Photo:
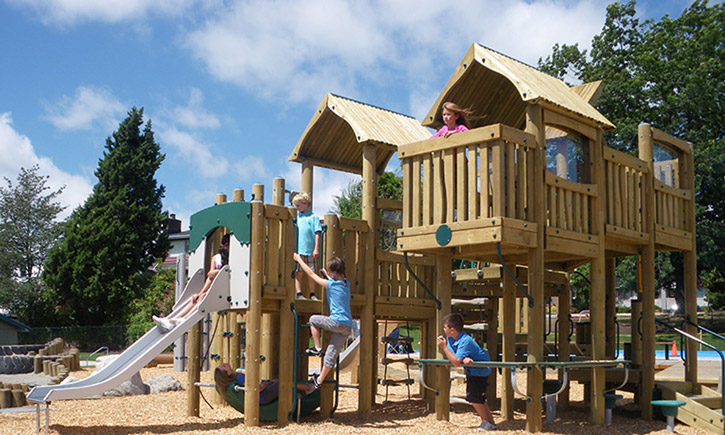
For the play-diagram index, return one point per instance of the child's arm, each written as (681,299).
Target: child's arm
(325,274)
(316,252)
(315,277)
(455,362)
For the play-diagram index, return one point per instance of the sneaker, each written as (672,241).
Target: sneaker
(300,296)
(177,321)
(313,351)
(165,324)
(485,425)
(315,383)
(313,297)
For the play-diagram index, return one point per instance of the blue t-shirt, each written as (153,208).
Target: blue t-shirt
(307,226)
(466,346)
(338,297)
(263,398)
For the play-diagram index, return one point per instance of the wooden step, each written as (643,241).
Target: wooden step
(400,339)
(712,402)
(395,383)
(407,361)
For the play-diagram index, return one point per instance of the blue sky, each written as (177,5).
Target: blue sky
(230,85)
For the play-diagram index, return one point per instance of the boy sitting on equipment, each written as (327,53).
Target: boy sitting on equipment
(461,348)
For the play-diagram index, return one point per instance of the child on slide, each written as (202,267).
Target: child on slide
(218,262)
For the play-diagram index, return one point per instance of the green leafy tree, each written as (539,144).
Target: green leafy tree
(158,299)
(29,226)
(111,240)
(671,74)
(349,204)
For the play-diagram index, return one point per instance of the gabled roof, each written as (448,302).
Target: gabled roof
(14,323)
(497,88)
(340,127)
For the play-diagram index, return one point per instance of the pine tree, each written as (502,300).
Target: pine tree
(97,270)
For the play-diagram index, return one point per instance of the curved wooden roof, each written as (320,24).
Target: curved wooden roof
(337,132)
(497,88)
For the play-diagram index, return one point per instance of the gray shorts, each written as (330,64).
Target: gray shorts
(310,261)
(340,333)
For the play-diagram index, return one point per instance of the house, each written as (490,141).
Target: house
(9,330)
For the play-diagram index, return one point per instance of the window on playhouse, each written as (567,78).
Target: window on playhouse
(566,154)
(666,164)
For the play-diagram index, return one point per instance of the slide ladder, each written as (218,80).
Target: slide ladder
(702,408)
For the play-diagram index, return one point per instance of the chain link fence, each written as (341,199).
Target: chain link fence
(85,338)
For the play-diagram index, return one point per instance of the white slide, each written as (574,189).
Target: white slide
(145,348)
(350,353)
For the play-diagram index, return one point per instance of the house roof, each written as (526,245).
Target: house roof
(14,323)
(497,88)
(340,127)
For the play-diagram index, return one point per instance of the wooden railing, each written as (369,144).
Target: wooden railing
(624,178)
(280,235)
(474,175)
(569,204)
(671,205)
(395,279)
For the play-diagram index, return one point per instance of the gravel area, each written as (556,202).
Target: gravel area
(165,413)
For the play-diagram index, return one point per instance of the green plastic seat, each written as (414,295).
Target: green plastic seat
(610,400)
(668,407)
(268,412)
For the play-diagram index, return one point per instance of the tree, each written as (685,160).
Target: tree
(97,269)
(670,73)
(349,204)
(28,228)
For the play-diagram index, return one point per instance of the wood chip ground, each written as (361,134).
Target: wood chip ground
(166,414)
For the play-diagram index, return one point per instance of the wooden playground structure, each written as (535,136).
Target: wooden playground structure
(531,192)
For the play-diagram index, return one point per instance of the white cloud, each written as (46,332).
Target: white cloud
(193,115)
(194,152)
(296,51)
(18,152)
(69,12)
(251,169)
(90,108)
(327,184)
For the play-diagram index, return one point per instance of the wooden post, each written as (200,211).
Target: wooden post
(217,343)
(270,321)
(368,360)
(308,175)
(193,368)
(687,181)
(287,323)
(598,291)
(535,324)
(331,249)
(646,153)
(509,320)
(611,307)
(235,318)
(254,313)
(492,345)
(564,345)
(443,373)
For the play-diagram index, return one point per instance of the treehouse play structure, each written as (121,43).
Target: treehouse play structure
(523,198)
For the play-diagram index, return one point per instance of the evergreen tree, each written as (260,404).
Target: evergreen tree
(671,74)
(28,228)
(97,270)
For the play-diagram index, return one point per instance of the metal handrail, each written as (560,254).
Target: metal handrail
(722,357)
(99,350)
(513,276)
(410,270)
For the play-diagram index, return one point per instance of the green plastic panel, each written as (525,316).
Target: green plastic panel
(237,216)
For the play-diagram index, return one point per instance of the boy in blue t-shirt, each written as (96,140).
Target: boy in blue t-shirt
(461,348)
(309,231)
(340,320)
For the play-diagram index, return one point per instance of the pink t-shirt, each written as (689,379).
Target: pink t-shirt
(442,132)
